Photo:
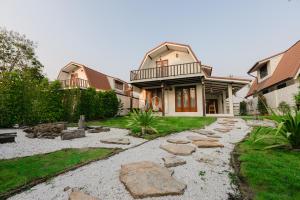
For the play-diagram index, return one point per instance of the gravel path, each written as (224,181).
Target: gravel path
(101,178)
(26,146)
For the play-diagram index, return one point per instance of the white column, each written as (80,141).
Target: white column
(224,102)
(230,99)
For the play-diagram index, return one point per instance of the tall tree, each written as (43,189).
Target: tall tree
(17,53)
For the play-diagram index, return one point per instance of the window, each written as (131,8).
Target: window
(265,91)
(283,85)
(186,99)
(263,71)
(118,85)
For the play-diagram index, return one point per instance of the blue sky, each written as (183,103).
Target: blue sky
(112,36)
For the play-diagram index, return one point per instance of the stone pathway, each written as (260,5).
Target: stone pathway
(205,173)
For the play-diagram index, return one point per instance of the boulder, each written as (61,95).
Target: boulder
(148,179)
(72,134)
(173,161)
(207,144)
(177,141)
(49,130)
(178,149)
(200,138)
(78,195)
(124,141)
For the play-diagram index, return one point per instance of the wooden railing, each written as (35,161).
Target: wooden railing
(74,83)
(166,71)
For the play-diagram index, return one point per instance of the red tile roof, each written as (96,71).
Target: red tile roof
(96,79)
(287,68)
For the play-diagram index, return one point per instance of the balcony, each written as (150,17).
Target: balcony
(179,70)
(74,83)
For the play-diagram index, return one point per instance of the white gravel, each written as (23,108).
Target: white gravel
(101,178)
(26,146)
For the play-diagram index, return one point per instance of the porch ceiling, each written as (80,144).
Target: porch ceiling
(216,87)
(177,81)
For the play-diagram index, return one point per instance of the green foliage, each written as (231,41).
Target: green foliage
(297,100)
(287,132)
(262,105)
(15,173)
(243,108)
(143,119)
(283,107)
(108,104)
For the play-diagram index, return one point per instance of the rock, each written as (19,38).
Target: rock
(177,141)
(206,159)
(81,122)
(173,161)
(98,129)
(49,130)
(124,141)
(207,144)
(200,138)
(214,136)
(178,149)
(67,188)
(78,195)
(223,130)
(93,131)
(148,179)
(72,134)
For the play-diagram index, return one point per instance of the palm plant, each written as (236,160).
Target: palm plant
(286,133)
(143,119)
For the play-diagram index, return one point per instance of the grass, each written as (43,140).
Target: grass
(19,172)
(252,117)
(164,125)
(272,174)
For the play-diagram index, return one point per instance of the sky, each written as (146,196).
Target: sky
(112,36)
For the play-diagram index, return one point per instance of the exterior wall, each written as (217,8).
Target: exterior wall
(79,70)
(183,57)
(271,66)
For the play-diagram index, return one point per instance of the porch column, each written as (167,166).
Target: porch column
(230,99)
(224,102)
(163,98)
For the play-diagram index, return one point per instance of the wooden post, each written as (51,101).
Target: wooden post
(163,98)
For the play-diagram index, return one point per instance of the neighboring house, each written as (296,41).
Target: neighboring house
(173,81)
(277,78)
(75,75)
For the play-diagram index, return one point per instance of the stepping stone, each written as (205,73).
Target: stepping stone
(78,195)
(178,149)
(214,136)
(173,161)
(200,138)
(223,130)
(203,132)
(177,141)
(124,141)
(148,179)
(207,144)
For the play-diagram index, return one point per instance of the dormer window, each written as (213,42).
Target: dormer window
(119,85)
(263,71)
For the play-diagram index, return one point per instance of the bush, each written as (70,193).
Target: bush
(284,108)
(262,105)
(144,120)
(243,108)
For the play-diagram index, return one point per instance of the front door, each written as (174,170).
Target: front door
(154,99)
(185,99)
(162,68)
(211,106)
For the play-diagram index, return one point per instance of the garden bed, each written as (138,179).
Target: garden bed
(20,174)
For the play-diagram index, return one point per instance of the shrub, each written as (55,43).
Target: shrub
(144,120)
(283,107)
(108,102)
(243,108)
(262,105)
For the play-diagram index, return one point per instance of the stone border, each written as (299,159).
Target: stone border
(245,191)
(33,183)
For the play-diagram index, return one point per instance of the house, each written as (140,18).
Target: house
(172,81)
(276,78)
(75,75)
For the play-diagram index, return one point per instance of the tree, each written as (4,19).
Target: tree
(17,53)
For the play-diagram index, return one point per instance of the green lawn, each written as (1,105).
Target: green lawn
(164,125)
(18,172)
(252,117)
(272,174)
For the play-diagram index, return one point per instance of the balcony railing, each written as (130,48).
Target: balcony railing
(166,71)
(74,83)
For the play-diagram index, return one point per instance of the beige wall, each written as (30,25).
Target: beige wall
(271,66)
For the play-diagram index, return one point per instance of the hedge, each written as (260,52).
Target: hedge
(28,101)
